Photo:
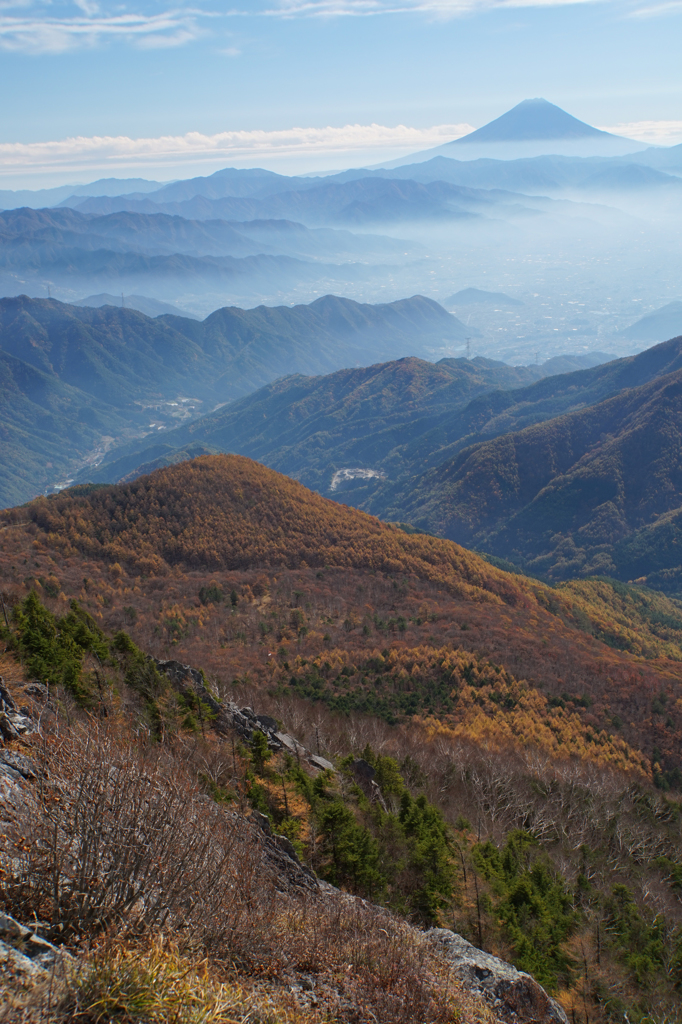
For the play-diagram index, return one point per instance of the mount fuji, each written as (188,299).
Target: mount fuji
(532,128)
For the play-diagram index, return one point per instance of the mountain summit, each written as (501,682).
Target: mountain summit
(532,120)
(534,127)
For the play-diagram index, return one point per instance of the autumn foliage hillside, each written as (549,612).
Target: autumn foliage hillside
(543,722)
(227,512)
(225,564)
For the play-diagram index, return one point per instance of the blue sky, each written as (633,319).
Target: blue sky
(170,87)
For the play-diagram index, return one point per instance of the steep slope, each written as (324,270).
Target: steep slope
(499,412)
(490,752)
(559,495)
(158,371)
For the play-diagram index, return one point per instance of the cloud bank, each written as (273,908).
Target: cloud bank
(656,133)
(106,153)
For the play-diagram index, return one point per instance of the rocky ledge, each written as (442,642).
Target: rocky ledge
(512,994)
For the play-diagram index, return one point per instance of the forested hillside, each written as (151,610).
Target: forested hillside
(79,380)
(568,497)
(152,545)
(524,738)
(392,420)
(455,449)
(308,427)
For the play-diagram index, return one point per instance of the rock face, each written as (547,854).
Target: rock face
(244,721)
(16,766)
(13,721)
(513,995)
(31,969)
(185,679)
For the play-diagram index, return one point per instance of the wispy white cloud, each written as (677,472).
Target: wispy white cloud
(89,7)
(654,10)
(369,8)
(43,33)
(105,153)
(657,133)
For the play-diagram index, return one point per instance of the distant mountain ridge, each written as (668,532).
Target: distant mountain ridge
(13,199)
(475,296)
(662,323)
(118,373)
(142,303)
(347,203)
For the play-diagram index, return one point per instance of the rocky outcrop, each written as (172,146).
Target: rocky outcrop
(186,679)
(30,966)
(32,970)
(14,721)
(228,716)
(16,767)
(513,995)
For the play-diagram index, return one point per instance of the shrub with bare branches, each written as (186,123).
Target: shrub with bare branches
(119,837)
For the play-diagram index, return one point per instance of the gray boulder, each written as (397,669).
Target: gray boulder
(15,767)
(321,762)
(514,995)
(13,723)
(291,744)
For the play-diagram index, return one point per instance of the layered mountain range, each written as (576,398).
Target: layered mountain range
(78,379)
(242,628)
(546,473)
(515,223)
